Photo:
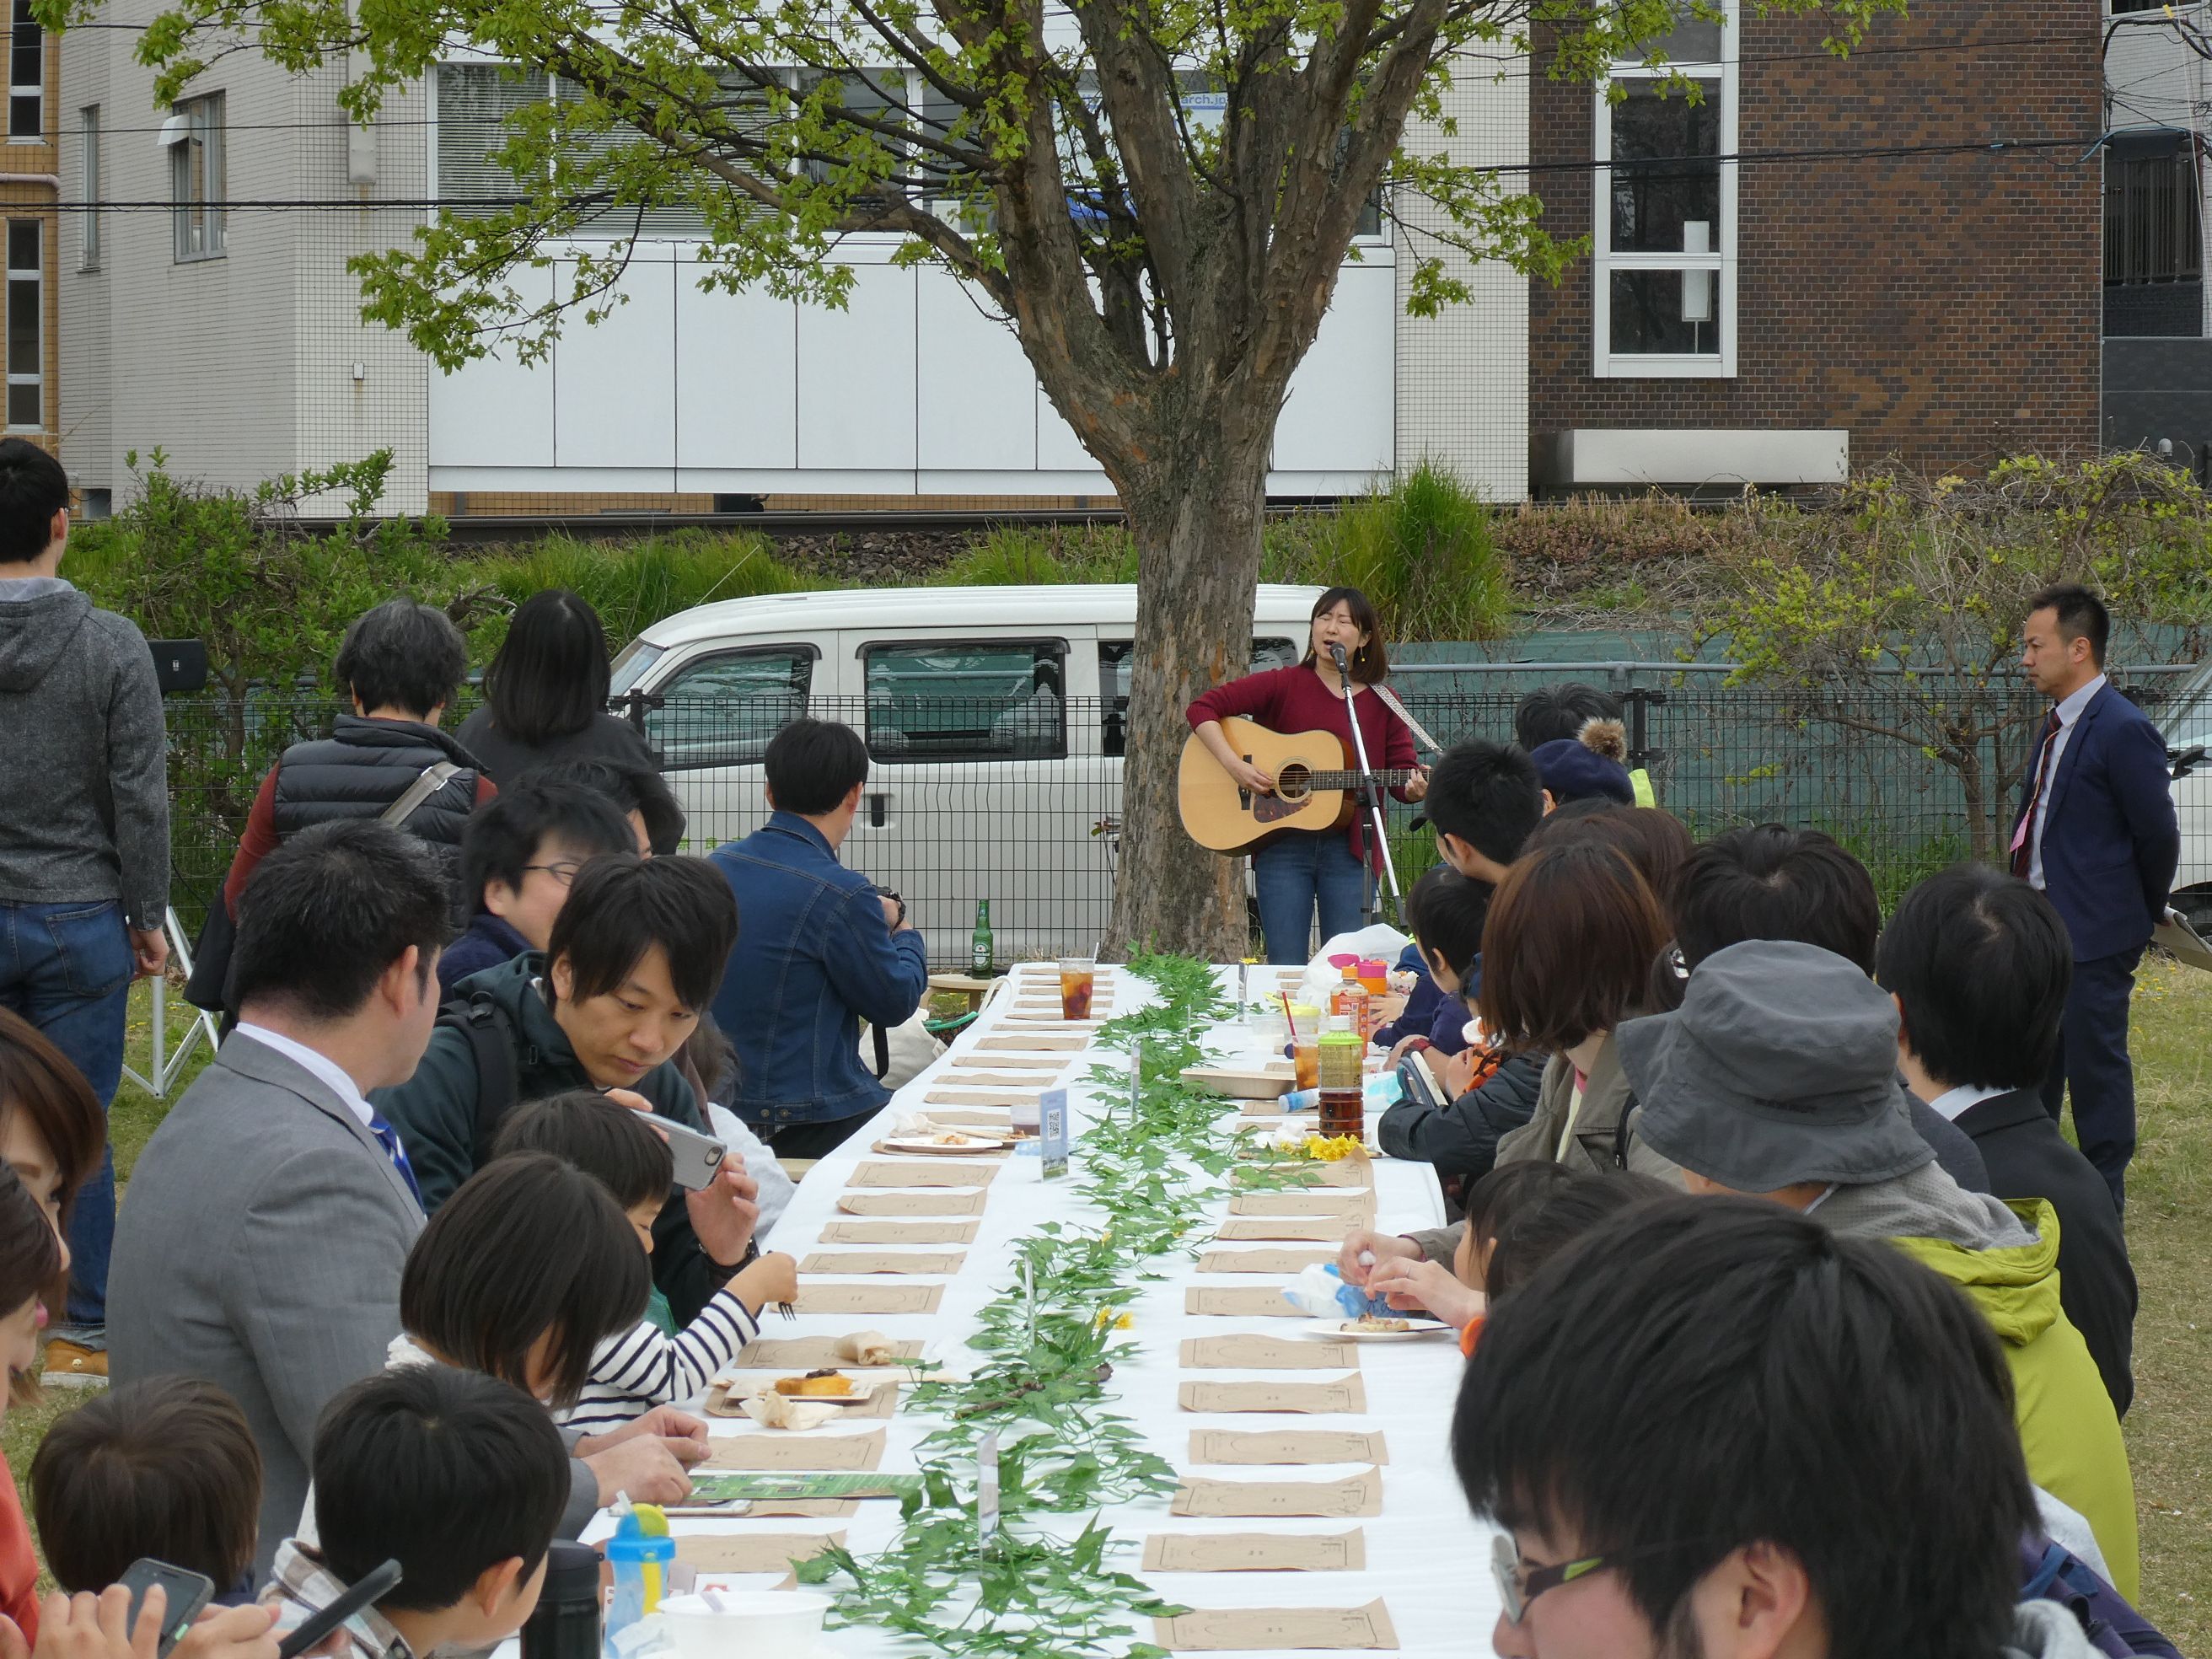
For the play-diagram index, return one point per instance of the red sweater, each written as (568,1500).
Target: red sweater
(1295,700)
(19,1566)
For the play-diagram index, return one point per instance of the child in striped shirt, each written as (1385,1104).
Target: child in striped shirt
(653,1364)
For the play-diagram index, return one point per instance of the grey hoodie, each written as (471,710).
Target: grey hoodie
(84,813)
(2045,1629)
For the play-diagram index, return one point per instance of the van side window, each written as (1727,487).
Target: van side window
(1113,684)
(967,700)
(721,710)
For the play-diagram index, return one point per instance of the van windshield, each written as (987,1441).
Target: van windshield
(629,667)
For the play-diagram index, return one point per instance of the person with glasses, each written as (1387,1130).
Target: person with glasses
(518,855)
(1716,1427)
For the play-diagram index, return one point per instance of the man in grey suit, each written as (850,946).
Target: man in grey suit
(261,1244)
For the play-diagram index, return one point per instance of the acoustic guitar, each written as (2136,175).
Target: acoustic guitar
(1313,789)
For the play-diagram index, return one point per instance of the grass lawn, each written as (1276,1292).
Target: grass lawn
(2169,1431)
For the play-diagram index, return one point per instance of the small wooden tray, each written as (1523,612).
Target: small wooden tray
(1240,1082)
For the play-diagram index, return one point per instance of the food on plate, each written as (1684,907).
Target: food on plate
(1370,1322)
(952,1137)
(820,1384)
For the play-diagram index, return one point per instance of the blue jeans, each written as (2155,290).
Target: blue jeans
(66,969)
(1296,872)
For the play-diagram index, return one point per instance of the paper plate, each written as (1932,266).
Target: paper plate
(1347,1330)
(922,1145)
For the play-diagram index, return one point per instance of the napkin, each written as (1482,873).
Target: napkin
(866,1348)
(1321,1292)
(781,1411)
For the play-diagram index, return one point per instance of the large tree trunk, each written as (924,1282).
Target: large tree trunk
(1197,529)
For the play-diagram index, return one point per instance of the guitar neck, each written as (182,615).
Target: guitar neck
(1353,780)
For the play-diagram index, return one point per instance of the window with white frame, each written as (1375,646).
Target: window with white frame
(194,138)
(88,252)
(26,75)
(1664,236)
(27,328)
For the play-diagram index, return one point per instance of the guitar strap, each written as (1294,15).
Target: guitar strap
(1420,731)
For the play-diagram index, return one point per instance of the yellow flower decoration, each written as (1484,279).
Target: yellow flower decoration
(1329,1150)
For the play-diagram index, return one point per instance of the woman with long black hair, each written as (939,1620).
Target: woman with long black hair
(545,694)
(1299,871)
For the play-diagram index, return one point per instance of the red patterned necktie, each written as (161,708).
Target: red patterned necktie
(2023,845)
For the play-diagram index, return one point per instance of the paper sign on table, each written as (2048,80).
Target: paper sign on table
(1346,1395)
(1248,1350)
(1288,1446)
(899,1233)
(1244,1630)
(1256,1552)
(934,1203)
(753,1551)
(1240,1302)
(979,1098)
(793,1353)
(1337,1500)
(922,1173)
(1302,1203)
(1288,1263)
(787,1451)
(1033,1043)
(1052,1133)
(885,1261)
(1249,1227)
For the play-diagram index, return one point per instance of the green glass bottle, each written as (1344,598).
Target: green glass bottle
(979,951)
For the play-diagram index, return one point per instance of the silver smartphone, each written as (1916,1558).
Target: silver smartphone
(697,1156)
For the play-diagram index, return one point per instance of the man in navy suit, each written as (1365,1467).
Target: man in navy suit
(2097,832)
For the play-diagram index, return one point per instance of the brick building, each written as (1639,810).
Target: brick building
(1776,320)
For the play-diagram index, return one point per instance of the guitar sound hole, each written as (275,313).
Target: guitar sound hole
(1294,781)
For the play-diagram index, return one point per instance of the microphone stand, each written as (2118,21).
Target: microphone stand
(1370,789)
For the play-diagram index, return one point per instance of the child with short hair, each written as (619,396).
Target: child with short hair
(1456,1294)
(653,1362)
(456,1475)
(166,1468)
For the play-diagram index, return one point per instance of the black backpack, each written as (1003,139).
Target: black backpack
(491,1038)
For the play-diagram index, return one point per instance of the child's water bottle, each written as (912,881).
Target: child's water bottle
(640,1554)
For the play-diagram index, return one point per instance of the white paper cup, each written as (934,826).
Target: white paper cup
(749,1623)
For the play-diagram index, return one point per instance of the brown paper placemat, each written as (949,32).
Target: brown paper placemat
(1346,1172)
(885,1261)
(1288,1263)
(981,1097)
(753,1551)
(921,1172)
(1239,1302)
(1325,1203)
(1288,1446)
(1345,1397)
(1248,1350)
(1351,1499)
(1006,1063)
(826,1297)
(814,1453)
(1244,1629)
(1035,1042)
(968,1117)
(1244,1229)
(808,1353)
(1256,1552)
(929,1203)
(994,1153)
(899,1233)
(836,1507)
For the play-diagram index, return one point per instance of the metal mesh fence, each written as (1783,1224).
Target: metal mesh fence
(1016,798)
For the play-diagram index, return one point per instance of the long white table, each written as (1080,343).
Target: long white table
(1426,1558)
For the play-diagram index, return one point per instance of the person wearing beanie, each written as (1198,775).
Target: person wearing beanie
(1594,762)
(1777,1079)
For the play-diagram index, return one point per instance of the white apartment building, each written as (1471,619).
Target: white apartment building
(208,310)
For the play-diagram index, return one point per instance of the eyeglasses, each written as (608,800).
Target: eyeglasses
(563,871)
(1519,1583)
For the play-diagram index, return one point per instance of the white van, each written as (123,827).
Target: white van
(993,718)
(2187,723)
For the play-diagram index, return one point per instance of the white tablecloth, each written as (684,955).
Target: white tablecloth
(1426,1558)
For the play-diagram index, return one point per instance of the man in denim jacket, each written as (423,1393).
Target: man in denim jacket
(819,950)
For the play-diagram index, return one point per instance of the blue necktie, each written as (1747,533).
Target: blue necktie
(388,1138)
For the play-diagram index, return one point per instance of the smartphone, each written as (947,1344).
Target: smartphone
(372,1587)
(188,1592)
(697,1156)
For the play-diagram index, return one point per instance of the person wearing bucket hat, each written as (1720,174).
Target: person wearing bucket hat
(1776,1078)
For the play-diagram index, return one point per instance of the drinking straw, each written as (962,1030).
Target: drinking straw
(1287,1020)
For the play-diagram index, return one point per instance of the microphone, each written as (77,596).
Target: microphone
(1336,654)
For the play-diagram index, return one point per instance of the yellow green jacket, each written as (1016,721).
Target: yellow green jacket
(2066,1424)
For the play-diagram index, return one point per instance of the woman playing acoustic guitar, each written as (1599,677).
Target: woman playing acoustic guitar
(1299,869)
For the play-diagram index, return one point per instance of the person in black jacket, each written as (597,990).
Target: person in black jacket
(545,694)
(1446,911)
(1978,963)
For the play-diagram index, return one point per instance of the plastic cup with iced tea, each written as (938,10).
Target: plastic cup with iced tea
(1077,976)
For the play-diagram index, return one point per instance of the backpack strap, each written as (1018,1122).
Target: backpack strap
(1621,1137)
(883,1051)
(490,1036)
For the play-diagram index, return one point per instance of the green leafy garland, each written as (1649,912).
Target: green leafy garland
(1154,1166)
